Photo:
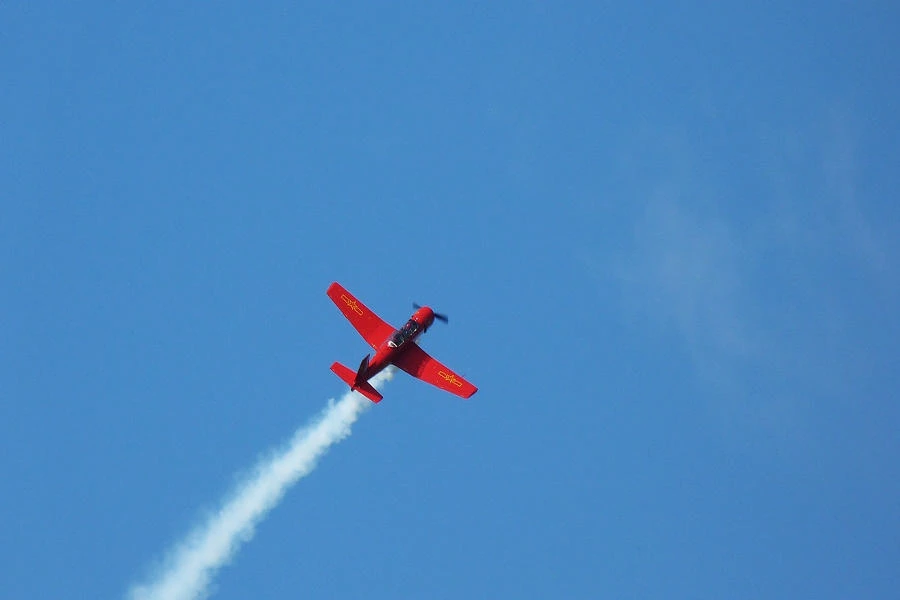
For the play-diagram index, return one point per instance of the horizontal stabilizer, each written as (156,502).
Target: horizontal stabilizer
(349,377)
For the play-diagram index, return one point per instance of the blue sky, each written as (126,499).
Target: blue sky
(666,238)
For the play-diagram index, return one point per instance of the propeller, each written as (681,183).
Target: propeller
(438,316)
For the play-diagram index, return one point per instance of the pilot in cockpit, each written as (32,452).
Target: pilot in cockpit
(404,333)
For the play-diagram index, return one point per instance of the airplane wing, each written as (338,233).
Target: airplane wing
(368,324)
(418,363)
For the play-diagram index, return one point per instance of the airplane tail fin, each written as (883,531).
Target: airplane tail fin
(362,368)
(355,381)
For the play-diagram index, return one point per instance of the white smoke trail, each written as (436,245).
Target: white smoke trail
(192,564)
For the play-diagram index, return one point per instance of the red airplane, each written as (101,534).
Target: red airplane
(393,347)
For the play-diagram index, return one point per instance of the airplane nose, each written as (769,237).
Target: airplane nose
(429,315)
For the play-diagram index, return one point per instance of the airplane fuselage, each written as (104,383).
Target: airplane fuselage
(398,341)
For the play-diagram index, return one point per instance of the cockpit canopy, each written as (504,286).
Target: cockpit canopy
(407,332)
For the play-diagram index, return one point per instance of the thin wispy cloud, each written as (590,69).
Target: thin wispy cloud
(760,267)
